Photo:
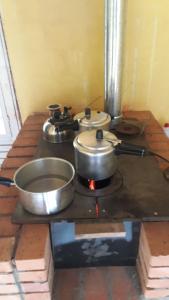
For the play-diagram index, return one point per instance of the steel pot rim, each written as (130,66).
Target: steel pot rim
(42,159)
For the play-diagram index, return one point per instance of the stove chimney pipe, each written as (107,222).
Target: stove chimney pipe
(114,25)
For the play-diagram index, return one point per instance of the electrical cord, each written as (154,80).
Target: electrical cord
(158,155)
(128,148)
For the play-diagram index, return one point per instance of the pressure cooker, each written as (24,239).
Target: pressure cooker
(92,119)
(96,153)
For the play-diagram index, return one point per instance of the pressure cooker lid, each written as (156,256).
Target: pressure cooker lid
(95,118)
(89,141)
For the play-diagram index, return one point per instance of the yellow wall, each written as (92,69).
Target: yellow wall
(146,57)
(56,53)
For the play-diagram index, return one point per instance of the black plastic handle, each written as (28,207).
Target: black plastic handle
(99,134)
(130,149)
(88,113)
(6,181)
(66,110)
(73,125)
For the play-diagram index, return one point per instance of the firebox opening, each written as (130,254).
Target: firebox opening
(92,184)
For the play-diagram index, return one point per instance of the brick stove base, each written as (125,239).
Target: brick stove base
(25,146)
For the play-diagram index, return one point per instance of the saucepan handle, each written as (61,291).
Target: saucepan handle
(130,149)
(6,181)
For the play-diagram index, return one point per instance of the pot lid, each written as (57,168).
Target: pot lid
(94,118)
(91,141)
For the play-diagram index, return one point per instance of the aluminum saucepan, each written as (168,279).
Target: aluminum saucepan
(45,185)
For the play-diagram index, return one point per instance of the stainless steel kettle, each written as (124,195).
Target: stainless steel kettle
(60,126)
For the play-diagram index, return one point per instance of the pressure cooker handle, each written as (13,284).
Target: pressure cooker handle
(130,149)
(6,181)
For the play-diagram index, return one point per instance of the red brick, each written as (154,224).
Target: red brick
(163,165)
(68,278)
(140,115)
(38,276)
(6,249)
(7,278)
(156,240)
(94,278)
(9,173)
(34,287)
(153,272)
(10,297)
(7,229)
(31,277)
(158,283)
(153,128)
(161,162)
(164,154)
(8,289)
(33,249)
(36,118)
(32,127)
(152,293)
(86,231)
(152,122)
(30,134)
(35,276)
(95,283)
(13,163)
(156,137)
(22,152)
(127,289)
(162,146)
(35,296)
(8,191)
(7,205)
(20,142)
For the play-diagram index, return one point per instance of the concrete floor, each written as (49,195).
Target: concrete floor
(101,283)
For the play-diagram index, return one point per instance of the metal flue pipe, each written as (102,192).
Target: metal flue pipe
(114,25)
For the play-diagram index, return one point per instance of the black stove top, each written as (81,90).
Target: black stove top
(137,191)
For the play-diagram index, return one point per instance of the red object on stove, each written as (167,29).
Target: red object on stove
(97,209)
(92,186)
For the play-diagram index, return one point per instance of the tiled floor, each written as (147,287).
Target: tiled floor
(103,283)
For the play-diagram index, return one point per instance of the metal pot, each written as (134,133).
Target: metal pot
(45,185)
(96,153)
(91,119)
(60,126)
